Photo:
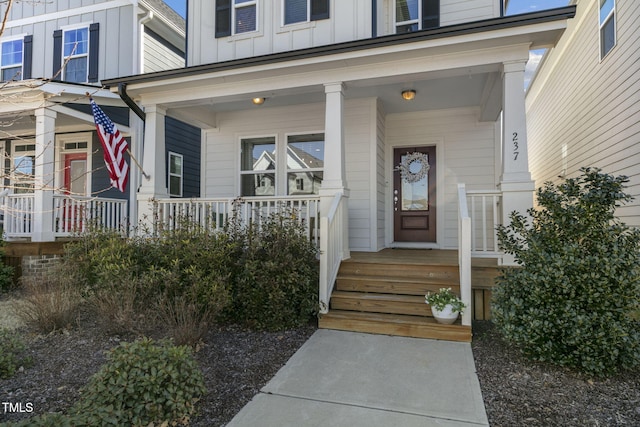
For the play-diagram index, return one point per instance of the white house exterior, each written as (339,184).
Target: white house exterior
(583,107)
(338,69)
(53,54)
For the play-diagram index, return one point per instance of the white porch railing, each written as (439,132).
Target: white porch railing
(71,215)
(486,215)
(333,228)
(212,214)
(18,215)
(464,253)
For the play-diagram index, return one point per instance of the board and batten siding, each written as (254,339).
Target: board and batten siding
(349,20)
(158,54)
(467,155)
(585,112)
(115,38)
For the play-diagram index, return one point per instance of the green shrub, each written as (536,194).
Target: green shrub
(142,382)
(575,299)
(6,272)
(276,281)
(45,420)
(12,356)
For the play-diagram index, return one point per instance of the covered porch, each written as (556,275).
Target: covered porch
(341,106)
(54,183)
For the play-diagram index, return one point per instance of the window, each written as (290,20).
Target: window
(11,60)
(414,15)
(23,168)
(235,16)
(607,26)
(258,167)
(305,162)
(76,55)
(176,174)
(305,10)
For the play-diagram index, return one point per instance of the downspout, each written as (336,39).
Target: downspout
(186,37)
(122,91)
(141,22)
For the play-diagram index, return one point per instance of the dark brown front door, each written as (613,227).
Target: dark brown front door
(414,194)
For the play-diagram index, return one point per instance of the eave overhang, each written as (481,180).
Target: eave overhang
(367,47)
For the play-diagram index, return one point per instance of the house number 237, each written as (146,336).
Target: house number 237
(515,146)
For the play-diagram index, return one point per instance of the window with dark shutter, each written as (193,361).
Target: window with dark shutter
(94,43)
(430,14)
(319,9)
(223,18)
(27,57)
(57,55)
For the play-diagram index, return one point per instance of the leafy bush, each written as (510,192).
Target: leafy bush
(143,382)
(276,282)
(11,353)
(48,304)
(6,272)
(575,299)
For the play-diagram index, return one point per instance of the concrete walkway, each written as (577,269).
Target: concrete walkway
(361,380)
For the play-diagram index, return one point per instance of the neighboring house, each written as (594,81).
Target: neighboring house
(431,86)
(583,106)
(53,54)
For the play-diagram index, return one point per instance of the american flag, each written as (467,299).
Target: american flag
(114,147)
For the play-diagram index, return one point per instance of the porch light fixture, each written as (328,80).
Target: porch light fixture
(258,101)
(408,94)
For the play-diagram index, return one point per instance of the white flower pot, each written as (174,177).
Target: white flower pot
(446,316)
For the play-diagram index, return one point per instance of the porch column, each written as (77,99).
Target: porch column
(153,163)
(44,170)
(334,178)
(515,183)
(334,171)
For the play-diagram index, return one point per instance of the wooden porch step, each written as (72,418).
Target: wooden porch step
(443,274)
(380,303)
(393,285)
(393,324)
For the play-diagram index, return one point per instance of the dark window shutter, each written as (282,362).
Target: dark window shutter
(57,55)
(223,18)
(430,14)
(27,56)
(319,9)
(94,44)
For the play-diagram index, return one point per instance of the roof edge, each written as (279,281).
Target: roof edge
(510,21)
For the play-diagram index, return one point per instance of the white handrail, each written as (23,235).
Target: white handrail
(485,214)
(332,235)
(77,214)
(464,253)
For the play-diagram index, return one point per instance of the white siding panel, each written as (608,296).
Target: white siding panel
(582,111)
(158,57)
(459,11)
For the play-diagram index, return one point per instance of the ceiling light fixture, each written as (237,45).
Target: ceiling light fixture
(258,101)
(408,94)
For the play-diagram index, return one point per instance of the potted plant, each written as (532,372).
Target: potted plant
(445,305)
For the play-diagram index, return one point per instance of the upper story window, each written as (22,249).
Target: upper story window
(304,10)
(414,15)
(75,54)
(236,17)
(607,26)
(11,60)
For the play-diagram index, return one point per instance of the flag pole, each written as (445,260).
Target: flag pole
(147,177)
(144,174)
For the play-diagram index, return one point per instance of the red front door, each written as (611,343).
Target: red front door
(75,184)
(414,194)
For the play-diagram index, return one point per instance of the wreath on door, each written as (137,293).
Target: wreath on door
(414,167)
